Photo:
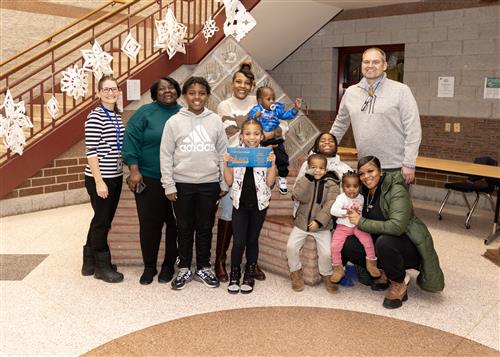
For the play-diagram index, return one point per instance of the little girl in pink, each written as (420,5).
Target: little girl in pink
(350,200)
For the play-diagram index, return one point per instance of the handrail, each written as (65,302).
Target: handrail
(67,39)
(58,32)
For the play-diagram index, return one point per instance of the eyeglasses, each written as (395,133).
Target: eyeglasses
(108,90)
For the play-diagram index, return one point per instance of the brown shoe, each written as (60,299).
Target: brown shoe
(224,234)
(330,287)
(380,284)
(371,266)
(297,280)
(259,274)
(338,274)
(396,295)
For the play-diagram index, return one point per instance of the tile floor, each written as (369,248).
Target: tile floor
(56,311)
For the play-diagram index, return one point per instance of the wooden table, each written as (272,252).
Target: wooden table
(464,168)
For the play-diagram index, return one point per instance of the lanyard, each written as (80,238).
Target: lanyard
(117,127)
(374,88)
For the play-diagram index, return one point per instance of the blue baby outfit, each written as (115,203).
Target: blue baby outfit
(270,119)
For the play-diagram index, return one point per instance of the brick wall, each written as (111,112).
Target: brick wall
(59,175)
(478,136)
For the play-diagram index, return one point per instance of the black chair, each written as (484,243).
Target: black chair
(477,184)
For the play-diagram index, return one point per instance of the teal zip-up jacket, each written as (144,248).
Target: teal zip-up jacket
(141,144)
(397,209)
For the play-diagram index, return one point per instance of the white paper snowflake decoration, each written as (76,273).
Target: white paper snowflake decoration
(53,107)
(12,124)
(238,22)
(170,34)
(97,61)
(74,82)
(209,29)
(131,47)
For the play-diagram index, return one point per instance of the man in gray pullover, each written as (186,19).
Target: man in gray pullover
(384,117)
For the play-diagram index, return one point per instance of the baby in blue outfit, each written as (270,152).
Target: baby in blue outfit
(269,113)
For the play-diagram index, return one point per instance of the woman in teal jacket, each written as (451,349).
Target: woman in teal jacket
(141,152)
(402,241)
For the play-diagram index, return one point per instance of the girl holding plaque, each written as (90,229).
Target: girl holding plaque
(251,193)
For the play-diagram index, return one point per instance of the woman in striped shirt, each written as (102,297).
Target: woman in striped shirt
(103,179)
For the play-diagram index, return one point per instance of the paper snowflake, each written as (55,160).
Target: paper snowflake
(209,29)
(238,22)
(170,34)
(53,107)
(97,61)
(74,82)
(131,47)
(12,124)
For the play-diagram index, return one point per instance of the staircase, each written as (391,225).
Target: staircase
(34,75)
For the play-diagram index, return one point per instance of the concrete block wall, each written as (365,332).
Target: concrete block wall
(463,43)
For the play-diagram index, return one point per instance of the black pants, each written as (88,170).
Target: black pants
(104,211)
(395,254)
(195,211)
(247,224)
(154,211)
(282,161)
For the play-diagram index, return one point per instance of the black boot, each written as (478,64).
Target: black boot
(234,280)
(166,274)
(104,270)
(248,279)
(88,265)
(148,275)
(224,234)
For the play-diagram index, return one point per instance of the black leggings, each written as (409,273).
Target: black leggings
(247,224)
(104,211)
(395,254)
(154,211)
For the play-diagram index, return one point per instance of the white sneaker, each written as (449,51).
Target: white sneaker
(282,185)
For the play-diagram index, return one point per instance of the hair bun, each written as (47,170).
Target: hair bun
(246,65)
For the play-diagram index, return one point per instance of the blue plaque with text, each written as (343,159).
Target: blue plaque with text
(249,157)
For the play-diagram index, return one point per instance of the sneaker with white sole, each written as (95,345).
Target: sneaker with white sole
(207,277)
(282,186)
(184,276)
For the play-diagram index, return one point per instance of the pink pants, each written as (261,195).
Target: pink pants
(340,235)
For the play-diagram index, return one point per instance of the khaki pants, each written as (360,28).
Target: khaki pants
(296,241)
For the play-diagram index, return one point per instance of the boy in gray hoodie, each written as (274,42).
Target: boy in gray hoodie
(191,163)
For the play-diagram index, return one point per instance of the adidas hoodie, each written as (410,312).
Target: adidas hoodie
(192,150)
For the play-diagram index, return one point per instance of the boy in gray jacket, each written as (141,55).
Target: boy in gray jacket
(191,163)
(315,192)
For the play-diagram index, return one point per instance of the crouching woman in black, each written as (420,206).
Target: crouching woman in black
(401,240)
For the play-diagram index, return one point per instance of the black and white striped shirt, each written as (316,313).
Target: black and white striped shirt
(100,141)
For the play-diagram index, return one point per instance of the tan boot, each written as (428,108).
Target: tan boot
(396,295)
(297,280)
(371,266)
(330,287)
(338,274)
(380,284)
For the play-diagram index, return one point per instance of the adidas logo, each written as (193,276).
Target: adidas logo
(197,141)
